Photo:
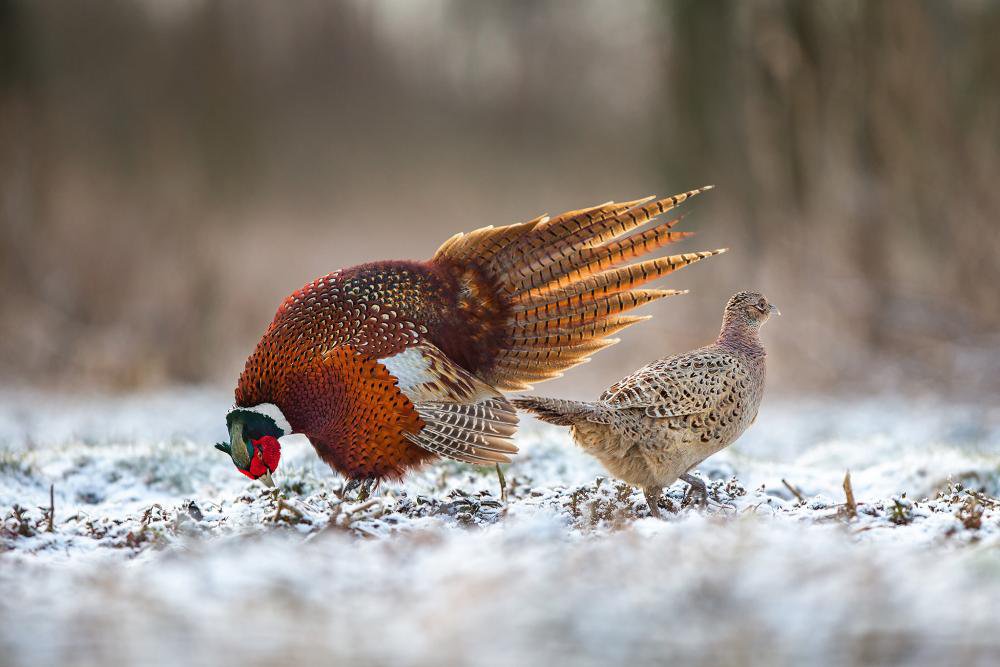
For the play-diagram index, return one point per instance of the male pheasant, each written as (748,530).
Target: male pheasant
(388,365)
(655,425)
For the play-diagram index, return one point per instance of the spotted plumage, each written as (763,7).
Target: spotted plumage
(655,425)
(387,365)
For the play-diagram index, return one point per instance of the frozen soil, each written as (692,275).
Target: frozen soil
(159,552)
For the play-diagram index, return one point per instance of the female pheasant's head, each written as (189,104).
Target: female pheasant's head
(748,310)
(253,440)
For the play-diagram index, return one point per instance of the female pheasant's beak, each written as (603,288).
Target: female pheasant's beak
(774,310)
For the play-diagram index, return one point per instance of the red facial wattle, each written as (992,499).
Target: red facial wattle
(270,451)
(266,454)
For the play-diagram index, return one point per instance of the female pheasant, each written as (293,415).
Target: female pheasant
(388,365)
(652,427)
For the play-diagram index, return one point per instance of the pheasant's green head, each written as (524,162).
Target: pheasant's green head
(253,440)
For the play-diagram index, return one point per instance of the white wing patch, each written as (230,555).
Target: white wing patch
(410,367)
(464,418)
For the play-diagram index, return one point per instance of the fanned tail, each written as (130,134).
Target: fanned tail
(543,295)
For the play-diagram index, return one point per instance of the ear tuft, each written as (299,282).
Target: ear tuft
(224,447)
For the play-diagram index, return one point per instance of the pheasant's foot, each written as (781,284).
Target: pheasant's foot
(653,500)
(696,487)
(363,486)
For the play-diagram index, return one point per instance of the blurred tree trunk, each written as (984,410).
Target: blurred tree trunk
(846,135)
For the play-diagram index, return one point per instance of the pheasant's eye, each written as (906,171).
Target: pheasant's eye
(762,306)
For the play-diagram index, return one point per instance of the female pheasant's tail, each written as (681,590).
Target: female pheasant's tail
(542,296)
(556,410)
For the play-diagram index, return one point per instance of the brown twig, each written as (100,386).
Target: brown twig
(983,498)
(795,492)
(852,506)
(282,505)
(363,506)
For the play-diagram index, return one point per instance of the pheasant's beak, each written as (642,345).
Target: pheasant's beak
(266,478)
(774,310)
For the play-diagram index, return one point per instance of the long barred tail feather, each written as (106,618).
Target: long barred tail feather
(559,286)
(556,410)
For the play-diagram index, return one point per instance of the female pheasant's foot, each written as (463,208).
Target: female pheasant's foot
(653,500)
(696,487)
(364,487)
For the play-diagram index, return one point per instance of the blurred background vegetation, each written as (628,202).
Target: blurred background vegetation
(170,170)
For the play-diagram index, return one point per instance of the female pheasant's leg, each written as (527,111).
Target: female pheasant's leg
(695,487)
(652,494)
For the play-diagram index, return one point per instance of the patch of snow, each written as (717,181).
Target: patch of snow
(161,553)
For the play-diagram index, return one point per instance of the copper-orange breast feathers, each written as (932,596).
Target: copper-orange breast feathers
(385,365)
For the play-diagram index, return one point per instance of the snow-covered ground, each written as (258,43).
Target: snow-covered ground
(160,553)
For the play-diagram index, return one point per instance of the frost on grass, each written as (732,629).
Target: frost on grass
(158,552)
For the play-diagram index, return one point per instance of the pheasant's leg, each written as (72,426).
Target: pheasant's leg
(652,494)
(695,487)
(503,484)
(364,487)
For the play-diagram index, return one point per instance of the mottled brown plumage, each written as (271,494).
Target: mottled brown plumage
(655,425)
